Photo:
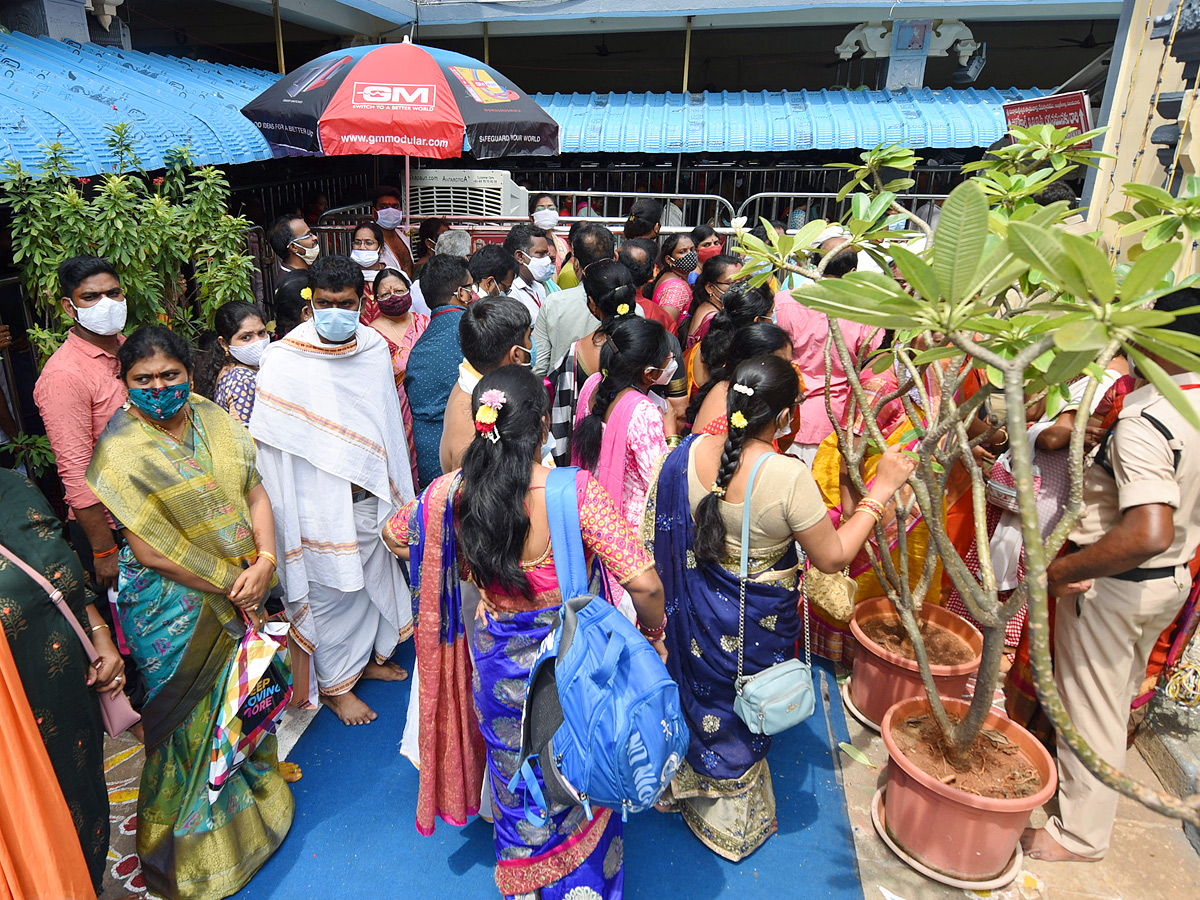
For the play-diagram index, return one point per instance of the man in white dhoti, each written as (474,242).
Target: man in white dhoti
(334,461)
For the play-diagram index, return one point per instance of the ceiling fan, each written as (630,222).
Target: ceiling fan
(1088,42)
(602,49)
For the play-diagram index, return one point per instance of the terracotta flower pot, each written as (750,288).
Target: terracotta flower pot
(961,835)
(881,678)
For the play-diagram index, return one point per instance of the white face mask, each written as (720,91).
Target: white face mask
(308,254)
(389,217)
(249,354)
(545,218)
(668,372)
(364,259)
(106,316)
(782,431)
(541,268)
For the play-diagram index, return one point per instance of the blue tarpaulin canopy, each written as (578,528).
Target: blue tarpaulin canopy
(67,92)
(778,121)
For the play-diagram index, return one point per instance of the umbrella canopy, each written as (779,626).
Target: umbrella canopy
(401,100)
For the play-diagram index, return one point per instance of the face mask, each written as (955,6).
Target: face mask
(394,304)
(364,259)
(686,263)
(545,218)
(160,403)
(782,431)
(249,354)
(528,350)
(106,316)
(541,268)
(668,372)
(704,254)
(389,218)
(335,325)
(308,254)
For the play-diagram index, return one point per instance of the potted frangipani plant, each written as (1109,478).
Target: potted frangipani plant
(1000,297)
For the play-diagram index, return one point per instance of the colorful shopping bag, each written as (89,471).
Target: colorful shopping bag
(257,691)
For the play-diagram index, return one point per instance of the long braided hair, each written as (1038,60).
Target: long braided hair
(491,522)
(775,386)
(634,344)
(749,341)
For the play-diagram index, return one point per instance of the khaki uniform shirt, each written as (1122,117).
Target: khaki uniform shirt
(1144,472)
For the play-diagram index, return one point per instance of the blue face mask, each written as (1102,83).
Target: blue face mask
(160,403)
(532,352)
(336,325)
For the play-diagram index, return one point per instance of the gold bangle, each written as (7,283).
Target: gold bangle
(674,440)
(96,628)
(264,554)
(872,507)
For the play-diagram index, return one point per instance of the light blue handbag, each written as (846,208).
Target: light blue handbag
(781,696)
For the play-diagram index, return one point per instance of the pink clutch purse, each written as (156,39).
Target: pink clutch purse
(115,708)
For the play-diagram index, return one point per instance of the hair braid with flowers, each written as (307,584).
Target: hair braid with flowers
(491,521)
(760,389)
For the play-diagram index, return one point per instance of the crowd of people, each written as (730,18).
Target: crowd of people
(380,461)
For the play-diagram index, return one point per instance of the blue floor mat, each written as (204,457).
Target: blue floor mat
(354,836)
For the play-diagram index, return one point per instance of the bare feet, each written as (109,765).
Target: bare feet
(386,672)
(290,772)
(349,709)
(1037,844)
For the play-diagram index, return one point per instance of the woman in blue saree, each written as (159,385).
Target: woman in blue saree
(177,473)
(693,519)
(489,523)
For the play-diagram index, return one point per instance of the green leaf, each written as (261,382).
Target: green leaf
(1170,352)
(959,240)
(1165,385)
(1093,264)
(855,754)
(1087,335)
(1149,270)
(1042,248)
(1067,365)
(918,273)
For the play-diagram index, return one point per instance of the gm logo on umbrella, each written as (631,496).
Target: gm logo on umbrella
(422,97)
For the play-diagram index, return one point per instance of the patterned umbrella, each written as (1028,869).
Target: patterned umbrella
(401,99)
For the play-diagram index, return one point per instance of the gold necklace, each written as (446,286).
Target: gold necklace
(187,420)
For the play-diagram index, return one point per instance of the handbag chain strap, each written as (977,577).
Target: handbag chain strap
(744,568)
(803,570)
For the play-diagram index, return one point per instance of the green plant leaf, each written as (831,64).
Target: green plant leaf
(1093,265)
(1087,335)
(1068,364)
(918,273)
(1150,268)
(1043,248)
(959,239)
(857,755)
(1168,388)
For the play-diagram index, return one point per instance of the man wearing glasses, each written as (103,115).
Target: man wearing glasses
(78,392)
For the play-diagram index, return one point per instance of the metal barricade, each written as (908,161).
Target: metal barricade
(794,209)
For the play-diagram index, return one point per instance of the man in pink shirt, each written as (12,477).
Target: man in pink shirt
(807,330)
(78,392)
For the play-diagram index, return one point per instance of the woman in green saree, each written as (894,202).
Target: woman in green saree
(178,475)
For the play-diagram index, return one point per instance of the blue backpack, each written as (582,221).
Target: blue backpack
(602,715)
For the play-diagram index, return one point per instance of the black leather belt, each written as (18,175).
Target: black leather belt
(1146,574)
(360,494)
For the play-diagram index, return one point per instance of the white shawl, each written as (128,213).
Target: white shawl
(325,417)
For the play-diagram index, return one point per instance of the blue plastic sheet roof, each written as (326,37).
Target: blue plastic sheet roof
(67,92)
(778,121)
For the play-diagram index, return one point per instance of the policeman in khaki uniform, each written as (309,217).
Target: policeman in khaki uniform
(1124,584)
